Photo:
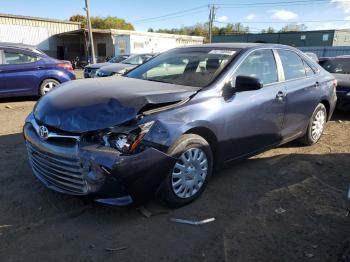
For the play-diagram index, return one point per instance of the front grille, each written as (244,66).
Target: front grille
(63,173)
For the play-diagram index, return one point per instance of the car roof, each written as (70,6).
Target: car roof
(335,57)
(21,47)
(343,56)
(239,45)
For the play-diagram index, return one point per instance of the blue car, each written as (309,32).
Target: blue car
(163,127)
(26,71)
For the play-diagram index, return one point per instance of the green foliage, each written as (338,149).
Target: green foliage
(79,18)
(108,22)
(201,29)
(268,30)
(294,28)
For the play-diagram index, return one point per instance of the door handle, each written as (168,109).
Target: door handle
(280,95)
(39,67)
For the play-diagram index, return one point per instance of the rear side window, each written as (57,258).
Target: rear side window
(260,64)
(13,58)
(293,66)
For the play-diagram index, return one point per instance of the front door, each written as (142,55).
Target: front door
(254,119)
(20,69)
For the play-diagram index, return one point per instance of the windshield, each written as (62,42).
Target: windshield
(337,65)
(118,58)
(196,67)
(137,59)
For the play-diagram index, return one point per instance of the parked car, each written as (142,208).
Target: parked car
(340,68)
(124,66)
(26,71)
(161,130)
(313,56)
(90,70)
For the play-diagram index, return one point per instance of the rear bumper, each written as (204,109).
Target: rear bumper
(94,171)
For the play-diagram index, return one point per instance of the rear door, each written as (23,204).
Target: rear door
(254,119)
(302,92)
(2,77)
(21,71)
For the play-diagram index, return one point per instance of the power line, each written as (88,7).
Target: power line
(281,22)
(171,14)
(200,9)
(167,18)
(296,2)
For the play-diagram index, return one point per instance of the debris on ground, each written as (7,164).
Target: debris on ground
(320,163)
(145,212)
(148,213)
(5,226)
(8,107)
(192,222)
(280,210)
(339,121)
(115,249)
(308,255)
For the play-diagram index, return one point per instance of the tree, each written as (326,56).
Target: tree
(270,30)
(79,18)
(293,28)
(103,22)
(150,30)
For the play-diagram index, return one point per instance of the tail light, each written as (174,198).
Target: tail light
(335,83)
(65,66)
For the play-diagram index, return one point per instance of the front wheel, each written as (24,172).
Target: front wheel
(190,174)
(316,126)
(47,85)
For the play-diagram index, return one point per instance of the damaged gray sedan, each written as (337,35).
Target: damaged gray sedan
(162,128)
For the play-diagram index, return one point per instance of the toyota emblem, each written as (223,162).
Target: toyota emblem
(43,132)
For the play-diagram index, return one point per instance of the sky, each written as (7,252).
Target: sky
(144,14)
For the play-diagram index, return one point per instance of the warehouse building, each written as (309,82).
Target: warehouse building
(109,42)
(67,40)
(321,38)
(34,31)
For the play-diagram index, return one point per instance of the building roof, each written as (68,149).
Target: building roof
(290,32)
(130,32)
(39,19)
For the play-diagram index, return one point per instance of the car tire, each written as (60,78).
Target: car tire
(316,126)
(47,85)
(195,159)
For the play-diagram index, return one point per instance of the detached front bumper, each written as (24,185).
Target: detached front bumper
(94,171)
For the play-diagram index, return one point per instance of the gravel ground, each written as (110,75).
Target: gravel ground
(286,204)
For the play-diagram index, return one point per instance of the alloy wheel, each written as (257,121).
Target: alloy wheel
(318,124)
(189,173)
(49,86)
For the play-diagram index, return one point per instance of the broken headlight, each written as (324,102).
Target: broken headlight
(126,139)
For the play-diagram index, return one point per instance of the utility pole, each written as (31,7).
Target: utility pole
(91,41)
(211,20)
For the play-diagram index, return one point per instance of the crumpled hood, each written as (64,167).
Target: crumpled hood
(92,104)
(115,68)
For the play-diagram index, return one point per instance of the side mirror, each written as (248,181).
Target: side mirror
(247,83)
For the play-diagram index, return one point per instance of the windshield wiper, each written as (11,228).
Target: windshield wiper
(154,80)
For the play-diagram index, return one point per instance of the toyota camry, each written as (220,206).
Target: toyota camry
(163,128)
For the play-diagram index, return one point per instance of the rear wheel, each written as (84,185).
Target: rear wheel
(190,174)
(47,85)
(316,126)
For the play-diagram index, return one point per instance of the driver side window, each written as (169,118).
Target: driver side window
(260,64)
